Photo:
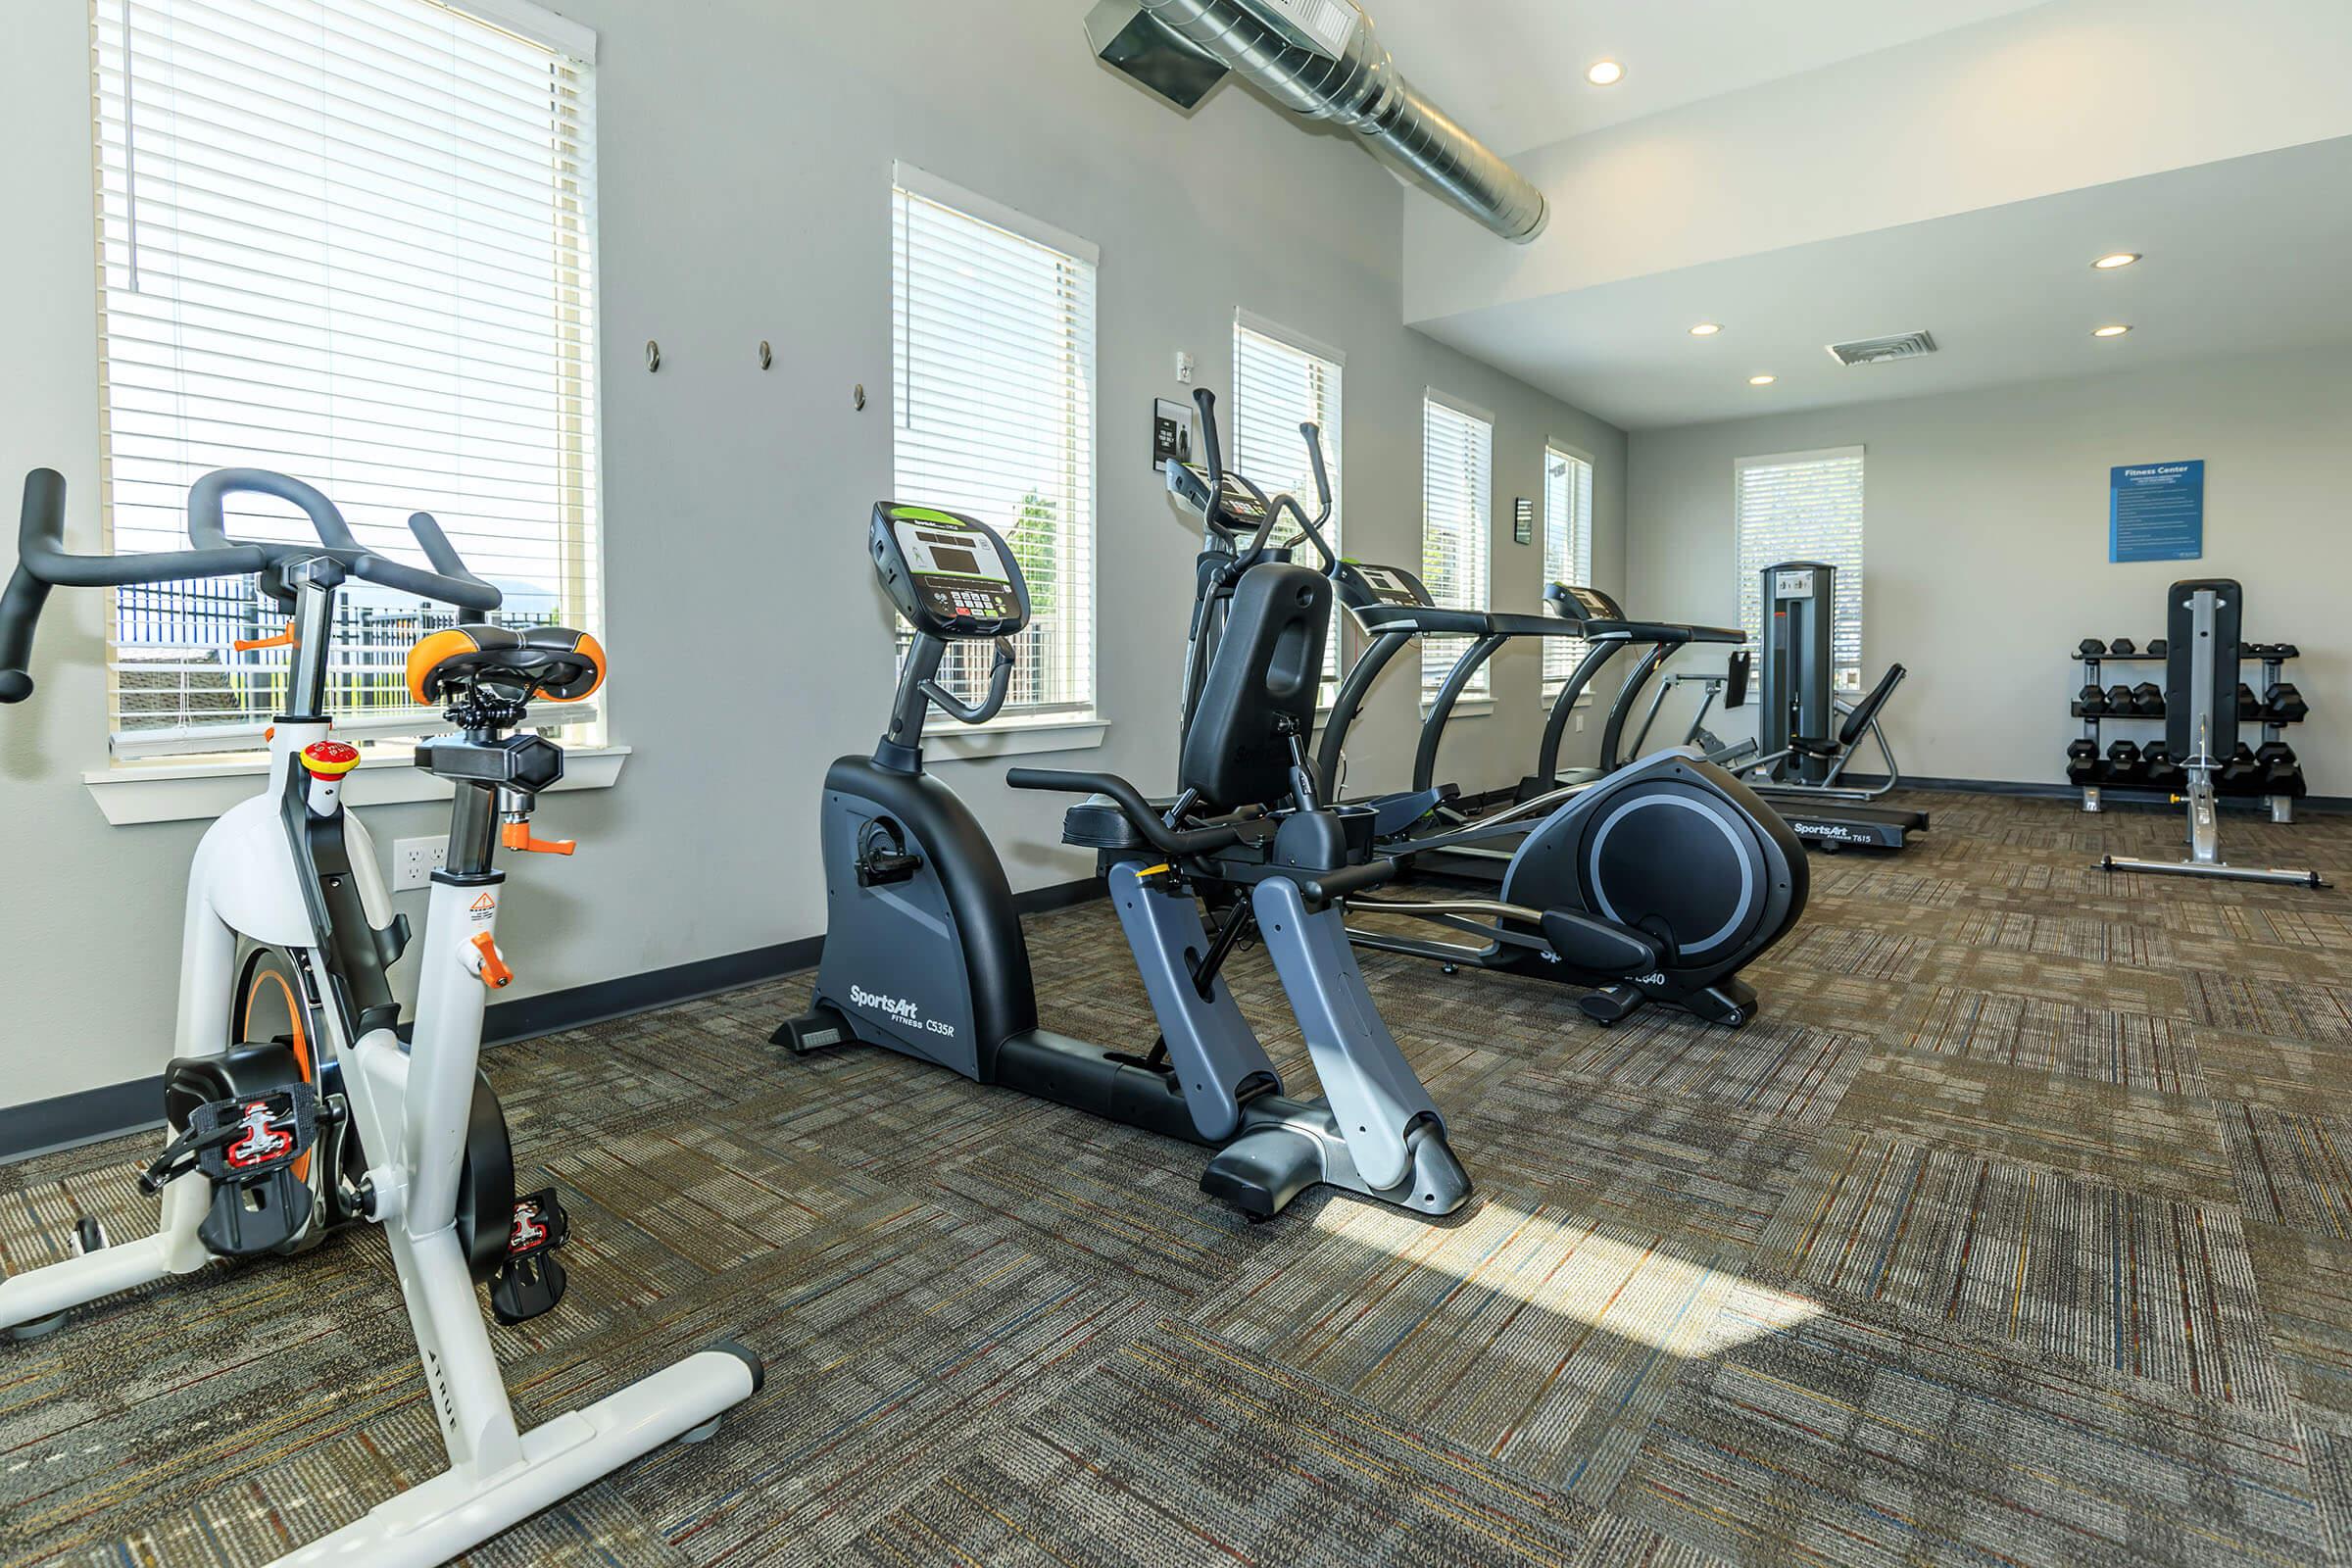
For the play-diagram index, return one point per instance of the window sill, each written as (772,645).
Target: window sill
(1551,697)
(1467,707)
(1015,737)
(200,791)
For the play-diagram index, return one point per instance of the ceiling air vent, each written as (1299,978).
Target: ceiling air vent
(1879,350)
(1324,26)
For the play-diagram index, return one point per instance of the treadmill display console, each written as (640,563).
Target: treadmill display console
(1571,602)
(951,576)
(1362,585)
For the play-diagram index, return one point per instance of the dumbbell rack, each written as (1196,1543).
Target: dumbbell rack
(2274,657)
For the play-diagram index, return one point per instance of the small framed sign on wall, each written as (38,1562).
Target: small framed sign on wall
(1523,520)
(2156,511)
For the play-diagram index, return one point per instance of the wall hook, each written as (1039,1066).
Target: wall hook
(652,355)
(767,355)
(858,397)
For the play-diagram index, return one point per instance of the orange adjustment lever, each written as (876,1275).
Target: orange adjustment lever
(495,973)
(284,639)
(518,836)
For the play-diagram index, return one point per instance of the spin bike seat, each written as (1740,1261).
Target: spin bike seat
(555,661)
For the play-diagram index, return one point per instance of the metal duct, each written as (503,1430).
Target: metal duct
(1356,85)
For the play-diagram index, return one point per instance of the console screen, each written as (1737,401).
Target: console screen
(950,553)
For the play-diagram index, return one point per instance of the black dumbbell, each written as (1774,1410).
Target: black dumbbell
(2091,647)
(2287,704)
(2156,648)
(2123,761)
(2240,770)
(2123,648)
(2248,706)
(2083,762)
(2148,699)
(2286,650)
(2277,761)
(2090,702)
(2156,761)
(2118,699)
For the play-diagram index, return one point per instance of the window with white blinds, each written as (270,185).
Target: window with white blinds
(1457,484)
(1567,550)
(353,241)
(1280,383)
(1805,506)
(993,364)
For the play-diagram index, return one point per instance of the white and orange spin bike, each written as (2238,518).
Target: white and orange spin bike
(291,1104)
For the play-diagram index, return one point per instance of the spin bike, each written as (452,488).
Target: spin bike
(923,949)
(291,1105)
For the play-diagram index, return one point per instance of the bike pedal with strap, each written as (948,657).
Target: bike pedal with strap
(530,1281)
(248,1147)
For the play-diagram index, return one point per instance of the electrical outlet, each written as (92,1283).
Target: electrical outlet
(415,860)
(1184,369)
(1579,724)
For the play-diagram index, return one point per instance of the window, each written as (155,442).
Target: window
(1458,463)
(354,243)
(1805,506)
(1281,381)
(1567,550)
(993,366)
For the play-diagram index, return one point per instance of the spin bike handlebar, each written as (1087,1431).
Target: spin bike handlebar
(43,563)
(1129,800)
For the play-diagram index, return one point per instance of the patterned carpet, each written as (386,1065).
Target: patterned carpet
(2017,1230)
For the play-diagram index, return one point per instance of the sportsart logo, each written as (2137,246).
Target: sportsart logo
(899,1010)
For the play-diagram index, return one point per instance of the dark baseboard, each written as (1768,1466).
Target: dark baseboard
(109,1111)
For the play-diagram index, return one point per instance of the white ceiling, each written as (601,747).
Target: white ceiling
(2242,255)
(1513,71)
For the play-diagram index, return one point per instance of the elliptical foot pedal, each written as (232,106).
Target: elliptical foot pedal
(530,1281)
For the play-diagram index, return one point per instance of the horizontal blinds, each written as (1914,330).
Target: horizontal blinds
(994,361)
(1276,388)
(1807,507)
(353,242)
(1567,549)
(1457,461)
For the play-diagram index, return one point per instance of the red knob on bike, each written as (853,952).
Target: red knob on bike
(329,760)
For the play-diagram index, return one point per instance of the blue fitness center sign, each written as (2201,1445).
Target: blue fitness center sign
(2156,511)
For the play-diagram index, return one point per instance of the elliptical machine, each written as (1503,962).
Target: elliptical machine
(923,949)
(292,1105)
(1658,882)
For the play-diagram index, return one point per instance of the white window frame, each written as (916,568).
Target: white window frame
(1248,321)
(189,775)
(1479,693)
(1566,650)
(1846,677)
(1057,726)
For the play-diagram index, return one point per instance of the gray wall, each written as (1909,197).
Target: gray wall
(1986,549)
(745,164)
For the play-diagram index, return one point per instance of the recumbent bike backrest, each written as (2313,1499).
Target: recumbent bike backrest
(1262,682)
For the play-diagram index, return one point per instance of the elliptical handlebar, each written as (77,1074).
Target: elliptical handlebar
(43,563)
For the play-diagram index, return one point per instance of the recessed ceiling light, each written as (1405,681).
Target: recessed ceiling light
(1762,380)
(2110,331)
(1706,329)
(1606,73)
(2108,264)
